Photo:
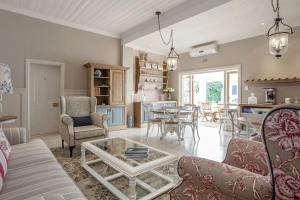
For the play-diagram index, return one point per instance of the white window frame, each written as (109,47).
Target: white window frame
(237,67)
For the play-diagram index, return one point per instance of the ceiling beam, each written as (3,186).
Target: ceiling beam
(179,13)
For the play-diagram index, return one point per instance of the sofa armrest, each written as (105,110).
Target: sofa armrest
(15,135)
(100,119)
(247,154)
(203,178)
(66,120)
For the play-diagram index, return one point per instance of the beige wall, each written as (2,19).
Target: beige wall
(24,37)
(256,62)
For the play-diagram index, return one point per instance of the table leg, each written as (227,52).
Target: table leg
(82,160)
(132,187)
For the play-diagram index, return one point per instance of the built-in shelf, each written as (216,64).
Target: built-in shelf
(158,83)
(102,95)
(101,86)
(153,75)
(270,81)
(142,73)
(102,77)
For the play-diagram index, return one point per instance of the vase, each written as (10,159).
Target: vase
(169,97)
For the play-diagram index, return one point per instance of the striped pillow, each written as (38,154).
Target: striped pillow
(5,150)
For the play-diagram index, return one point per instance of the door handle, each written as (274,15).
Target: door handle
(55,104)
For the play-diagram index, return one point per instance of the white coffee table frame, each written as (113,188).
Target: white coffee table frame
(127,170)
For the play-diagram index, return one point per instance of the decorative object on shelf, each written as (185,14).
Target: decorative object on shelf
(143,56)
(270,95)
(160,67)
(5,82)
(154,66)
(168,91)
(98,73)
(277,35)
(148,65)
(252,99)
(288,100)
(173,57)
(296,100)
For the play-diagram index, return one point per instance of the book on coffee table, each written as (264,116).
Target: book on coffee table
(137,151)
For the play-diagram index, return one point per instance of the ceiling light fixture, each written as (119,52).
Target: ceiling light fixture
(278,34)
(173,57)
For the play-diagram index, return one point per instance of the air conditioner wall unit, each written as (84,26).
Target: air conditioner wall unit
(205,49)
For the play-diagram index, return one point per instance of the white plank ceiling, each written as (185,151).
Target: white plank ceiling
(109,17)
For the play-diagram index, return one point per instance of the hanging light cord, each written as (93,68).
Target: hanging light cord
(275,8)
(161,36)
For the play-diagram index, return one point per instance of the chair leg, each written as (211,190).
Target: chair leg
(148,130)
(71,151)
(62,144)
(221,122)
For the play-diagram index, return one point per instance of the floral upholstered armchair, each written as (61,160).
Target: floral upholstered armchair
(80,122)
(251,170)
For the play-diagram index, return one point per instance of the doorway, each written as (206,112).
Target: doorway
(44,86)
(218,85)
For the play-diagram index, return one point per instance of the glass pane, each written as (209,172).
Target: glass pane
(118,146)
(209,87)
(233,88)
(186,89)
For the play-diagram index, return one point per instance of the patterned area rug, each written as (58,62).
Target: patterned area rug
(94,190)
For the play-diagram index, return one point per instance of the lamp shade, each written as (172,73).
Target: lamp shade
(5,79)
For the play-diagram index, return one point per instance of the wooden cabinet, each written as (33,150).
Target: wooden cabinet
(141,115)
(117,87)
(108,84)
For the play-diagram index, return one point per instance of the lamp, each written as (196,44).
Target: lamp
(173,57)
(277,35)
(5,82)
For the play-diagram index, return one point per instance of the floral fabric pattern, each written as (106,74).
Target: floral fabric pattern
(282,139)
(5,84)
(243,175)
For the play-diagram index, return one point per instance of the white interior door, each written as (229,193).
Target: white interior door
(44,98)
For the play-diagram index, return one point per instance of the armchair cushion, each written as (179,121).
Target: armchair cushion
(83,132)
(82,121)
(206,179)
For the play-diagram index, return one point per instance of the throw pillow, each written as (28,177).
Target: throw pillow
(3,168)
(4,144)
(82,121)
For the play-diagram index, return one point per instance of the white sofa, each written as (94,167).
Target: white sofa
(33,172)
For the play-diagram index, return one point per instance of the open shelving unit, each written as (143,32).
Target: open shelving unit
(272,80)
(153,78)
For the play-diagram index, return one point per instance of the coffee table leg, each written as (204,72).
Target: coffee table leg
(132,186)
(82,160)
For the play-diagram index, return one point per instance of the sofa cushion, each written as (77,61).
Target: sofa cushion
(34,172)
(82,121)
(83,132)
(31,153)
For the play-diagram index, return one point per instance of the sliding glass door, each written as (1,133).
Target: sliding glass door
(218,86)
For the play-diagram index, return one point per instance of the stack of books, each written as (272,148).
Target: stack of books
(136,153)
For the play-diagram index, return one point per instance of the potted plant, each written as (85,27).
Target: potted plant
(168,91)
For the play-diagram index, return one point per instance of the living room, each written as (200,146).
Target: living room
(149,99)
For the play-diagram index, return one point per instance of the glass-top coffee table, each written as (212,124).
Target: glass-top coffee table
(111,151)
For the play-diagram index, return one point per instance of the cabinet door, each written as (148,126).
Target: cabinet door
(146,108)
(106,111)
(117,116)
(117,87)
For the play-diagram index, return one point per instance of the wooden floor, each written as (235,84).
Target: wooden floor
(211,144)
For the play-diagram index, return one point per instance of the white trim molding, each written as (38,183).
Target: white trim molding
(28,63)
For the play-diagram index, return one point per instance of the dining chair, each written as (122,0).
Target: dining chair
(172,124)
(222,116)
(153,119)
(208,111)
(191,121)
